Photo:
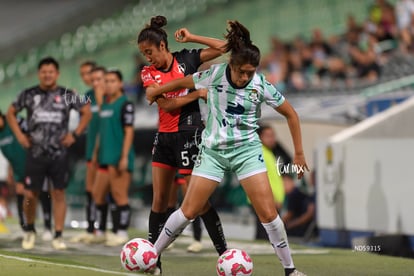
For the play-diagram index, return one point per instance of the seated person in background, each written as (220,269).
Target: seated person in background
(300,211)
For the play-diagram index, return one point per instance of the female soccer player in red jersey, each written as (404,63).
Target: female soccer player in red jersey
(180,124)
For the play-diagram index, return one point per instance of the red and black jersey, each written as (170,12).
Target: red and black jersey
(187,117)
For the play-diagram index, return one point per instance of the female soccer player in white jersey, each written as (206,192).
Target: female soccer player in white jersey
(230,141)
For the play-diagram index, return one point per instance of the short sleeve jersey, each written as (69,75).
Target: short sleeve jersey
(233,111)
(48,115)
(113,118)
(187,117)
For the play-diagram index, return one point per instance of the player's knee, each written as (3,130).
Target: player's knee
(98,197)
(58,194)
(29,195)
(190,213)
(159,203)
(267,216)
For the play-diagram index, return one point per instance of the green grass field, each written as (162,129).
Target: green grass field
(82,260)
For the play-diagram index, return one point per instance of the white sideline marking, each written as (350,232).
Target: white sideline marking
(67,265)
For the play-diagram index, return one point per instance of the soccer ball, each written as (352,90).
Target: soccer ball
(138,255)
(234,262)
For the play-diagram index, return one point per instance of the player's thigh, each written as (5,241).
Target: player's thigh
(258,190)
(162,180)
(101,185)
(58,172)
(35,173)
(199,191)
(91,169)
(119,183)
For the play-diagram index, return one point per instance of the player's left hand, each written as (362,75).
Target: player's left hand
(68,140)
(123,164)
(300,162)
(182,35)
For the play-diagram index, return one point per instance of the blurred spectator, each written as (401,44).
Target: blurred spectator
(324,60)
(405,15)
(275,64)
(354,58)
(136,88)
(300,211)
(362,51)
(381,20)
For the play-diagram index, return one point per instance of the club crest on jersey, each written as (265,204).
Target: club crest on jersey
(37,99)
(58,99)
(253,95)
(181,68)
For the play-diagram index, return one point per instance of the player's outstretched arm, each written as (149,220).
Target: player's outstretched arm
(294,126)
(153,92)
(171,104)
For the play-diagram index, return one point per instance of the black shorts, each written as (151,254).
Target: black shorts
(39,168)
(176,150)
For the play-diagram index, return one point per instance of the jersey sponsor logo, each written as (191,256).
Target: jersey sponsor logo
(94,108)
(219,88)
(146,77)
(158,79)
(58,105)
(231,122)
(106,113)
(235,108)
(47,117)
(6,141)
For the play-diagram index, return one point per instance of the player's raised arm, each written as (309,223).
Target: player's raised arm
(216,47)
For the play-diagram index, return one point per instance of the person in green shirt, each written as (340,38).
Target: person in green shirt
(94,77)
(16,156)
(115,153)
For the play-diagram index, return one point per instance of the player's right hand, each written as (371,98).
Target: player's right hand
(24,141)
(182,35)
(203,94)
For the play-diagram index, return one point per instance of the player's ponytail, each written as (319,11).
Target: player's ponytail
(153,32)
(242,49)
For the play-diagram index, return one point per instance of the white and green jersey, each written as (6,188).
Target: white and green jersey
(233,111)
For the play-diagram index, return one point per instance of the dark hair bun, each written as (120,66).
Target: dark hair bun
(158,22)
